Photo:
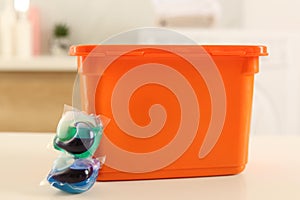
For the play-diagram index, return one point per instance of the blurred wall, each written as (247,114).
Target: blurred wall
(269,14)
(94,20)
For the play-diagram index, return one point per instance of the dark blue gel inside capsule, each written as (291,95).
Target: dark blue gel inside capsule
(73,175)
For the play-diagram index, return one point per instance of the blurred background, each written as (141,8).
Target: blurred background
(37,76)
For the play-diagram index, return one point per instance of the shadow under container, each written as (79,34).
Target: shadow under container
(175,110)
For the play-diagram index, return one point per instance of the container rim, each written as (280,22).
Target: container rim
(214,50)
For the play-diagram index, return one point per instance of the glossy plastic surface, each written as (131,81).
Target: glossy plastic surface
(236,65)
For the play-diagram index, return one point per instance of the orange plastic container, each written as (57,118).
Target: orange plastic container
(176,111)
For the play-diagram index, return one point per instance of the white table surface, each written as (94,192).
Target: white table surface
(273,172)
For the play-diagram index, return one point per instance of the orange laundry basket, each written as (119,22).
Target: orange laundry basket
(174,110)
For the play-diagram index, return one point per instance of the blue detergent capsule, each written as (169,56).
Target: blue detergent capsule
(76,178)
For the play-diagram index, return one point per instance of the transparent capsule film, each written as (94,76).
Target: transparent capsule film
(77,138)
(74,177)
(78,133)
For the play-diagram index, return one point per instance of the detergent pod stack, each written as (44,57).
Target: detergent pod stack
(78,136)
